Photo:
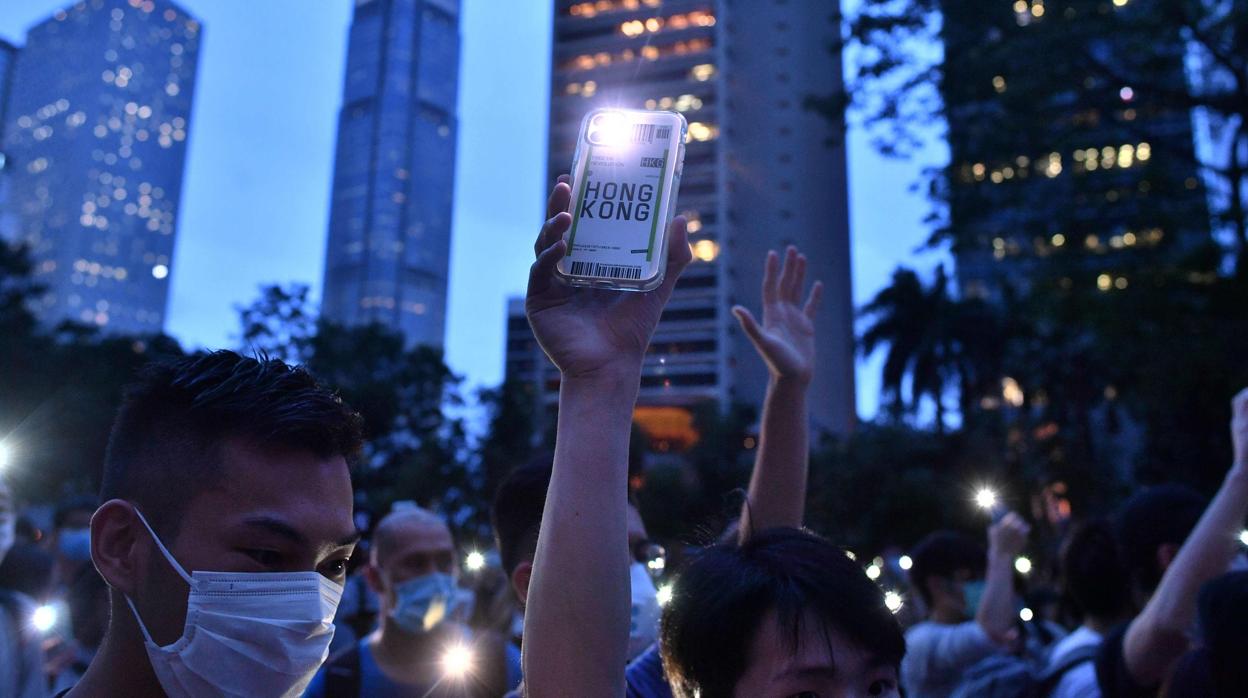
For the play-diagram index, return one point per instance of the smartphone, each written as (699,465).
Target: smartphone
(625,177)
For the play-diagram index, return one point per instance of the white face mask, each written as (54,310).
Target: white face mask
(247,634)
(643,630)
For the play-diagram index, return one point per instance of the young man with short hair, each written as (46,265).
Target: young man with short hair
(225,530)
(970,605)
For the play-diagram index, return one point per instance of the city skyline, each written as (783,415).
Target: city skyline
(97,120)
(274,165)
(390,213)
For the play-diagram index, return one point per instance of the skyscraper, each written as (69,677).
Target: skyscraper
(8,217)
(96,140)
(759,174)
(1061,172)
(394,171)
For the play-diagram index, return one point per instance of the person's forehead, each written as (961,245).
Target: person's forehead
(309,493)
(819,650)
(422,537)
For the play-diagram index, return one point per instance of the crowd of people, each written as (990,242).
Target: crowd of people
(223,557)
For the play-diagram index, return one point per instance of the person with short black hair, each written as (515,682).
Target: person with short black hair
(225,530)
(782,597)
(1095,579)
(970,605)
(1138,658)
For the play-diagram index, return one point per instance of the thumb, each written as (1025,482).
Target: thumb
(749,325)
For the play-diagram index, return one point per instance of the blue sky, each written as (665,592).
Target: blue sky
(256,195)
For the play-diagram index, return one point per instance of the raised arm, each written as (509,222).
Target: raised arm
(996,613)
(785,340)
(1158,637)
(577,617)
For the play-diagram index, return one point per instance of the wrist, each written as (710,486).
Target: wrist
(789,382)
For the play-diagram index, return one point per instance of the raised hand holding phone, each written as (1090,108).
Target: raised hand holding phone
(586,330)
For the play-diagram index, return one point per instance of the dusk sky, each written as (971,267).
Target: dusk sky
(255,202)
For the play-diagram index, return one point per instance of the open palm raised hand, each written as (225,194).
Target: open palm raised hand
(587,331)
(786,337)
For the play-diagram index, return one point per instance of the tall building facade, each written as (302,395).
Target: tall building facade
(8,217)
(394,170)
(759,174)
(1062,173)
(95,137)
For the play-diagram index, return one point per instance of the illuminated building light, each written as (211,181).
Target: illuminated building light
(1012,392)
(702,72)
(1126,94)
(705,250)
(1092,242)
(1143,152)
(1104,282)
(1120,283)
(998,83)
(1058,240)
(160,271)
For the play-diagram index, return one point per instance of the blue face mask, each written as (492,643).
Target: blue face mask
(75,544)
(422,603)
(972,592)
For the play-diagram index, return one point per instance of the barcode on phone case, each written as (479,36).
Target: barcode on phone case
(606,271)
(649,133)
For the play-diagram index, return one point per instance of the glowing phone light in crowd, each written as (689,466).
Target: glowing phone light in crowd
(1026,615)
(893,601)
(1023,565)
(664,594)
(474,561)
(905,563)
(985,498)
(458,661)
(43,619)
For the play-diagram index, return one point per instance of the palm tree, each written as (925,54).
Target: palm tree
(923,328)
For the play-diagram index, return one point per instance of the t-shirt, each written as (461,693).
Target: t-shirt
(937,654)
(1111,669)
(643,678)
(1080,680)
(373,683)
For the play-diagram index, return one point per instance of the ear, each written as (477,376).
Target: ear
(520,581)
(120,545)
(1166,552)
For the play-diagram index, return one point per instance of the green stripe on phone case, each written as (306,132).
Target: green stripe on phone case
(580,199)
(658,206)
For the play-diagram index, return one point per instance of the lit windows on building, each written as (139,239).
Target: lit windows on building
(121,124)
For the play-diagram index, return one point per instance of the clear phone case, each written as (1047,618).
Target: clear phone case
(625,178)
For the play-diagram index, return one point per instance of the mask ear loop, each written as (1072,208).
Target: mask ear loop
(172,563)
(165,551)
